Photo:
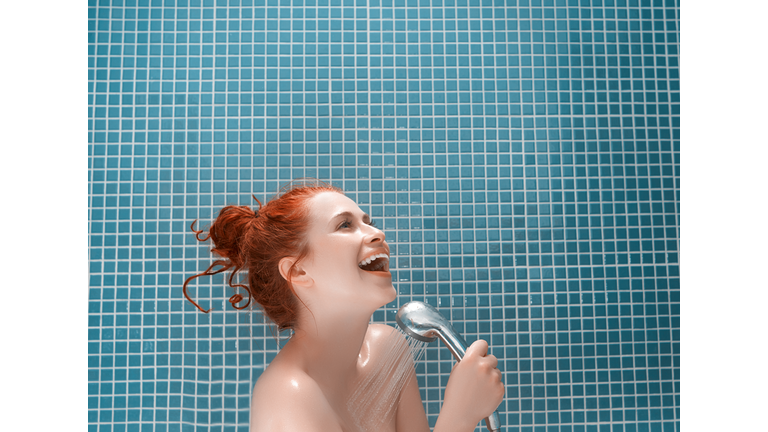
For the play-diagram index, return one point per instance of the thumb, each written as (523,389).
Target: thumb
(478,348)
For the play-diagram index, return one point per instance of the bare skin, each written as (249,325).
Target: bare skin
(307,386)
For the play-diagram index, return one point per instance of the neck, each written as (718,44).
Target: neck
(329,348)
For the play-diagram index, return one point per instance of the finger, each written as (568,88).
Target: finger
(478,348)
(492,360)
(499,375)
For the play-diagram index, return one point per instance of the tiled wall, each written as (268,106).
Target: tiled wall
(521,155)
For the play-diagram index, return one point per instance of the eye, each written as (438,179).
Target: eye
(372,223)
(345,224)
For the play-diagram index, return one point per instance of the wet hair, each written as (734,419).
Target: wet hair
(254,241)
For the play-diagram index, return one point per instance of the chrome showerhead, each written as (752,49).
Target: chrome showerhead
(420,321)
(424,323)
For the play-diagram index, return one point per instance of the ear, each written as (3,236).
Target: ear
(298,277)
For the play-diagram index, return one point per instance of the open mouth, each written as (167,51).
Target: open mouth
(375,263)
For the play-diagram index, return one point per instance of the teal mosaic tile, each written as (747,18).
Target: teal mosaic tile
(523,156)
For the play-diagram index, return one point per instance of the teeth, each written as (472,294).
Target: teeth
(371,258)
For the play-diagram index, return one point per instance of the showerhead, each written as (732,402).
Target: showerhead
(424,323)
(420,321)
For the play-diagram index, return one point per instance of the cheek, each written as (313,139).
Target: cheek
(335,261)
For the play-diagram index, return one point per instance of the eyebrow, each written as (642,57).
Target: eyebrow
(366,217)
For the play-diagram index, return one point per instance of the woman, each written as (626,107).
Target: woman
(317,265)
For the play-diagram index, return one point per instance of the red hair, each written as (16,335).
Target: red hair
(256,241)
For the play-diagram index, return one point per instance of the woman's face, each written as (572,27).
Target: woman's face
(349,258)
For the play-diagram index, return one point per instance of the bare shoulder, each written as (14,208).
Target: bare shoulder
(383,340)
(381,335)
(389,343)
(286,399)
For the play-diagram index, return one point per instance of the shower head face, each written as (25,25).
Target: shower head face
(420,321)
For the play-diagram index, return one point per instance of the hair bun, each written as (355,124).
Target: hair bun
(247,242)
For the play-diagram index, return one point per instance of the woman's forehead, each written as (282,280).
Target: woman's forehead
(328,205)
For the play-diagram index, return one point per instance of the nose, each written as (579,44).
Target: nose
(374,235)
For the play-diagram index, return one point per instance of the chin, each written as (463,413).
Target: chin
(386,296)
(392,294)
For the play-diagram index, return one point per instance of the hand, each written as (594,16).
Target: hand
(474,389)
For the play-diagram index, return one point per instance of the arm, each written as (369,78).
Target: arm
(410,411)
